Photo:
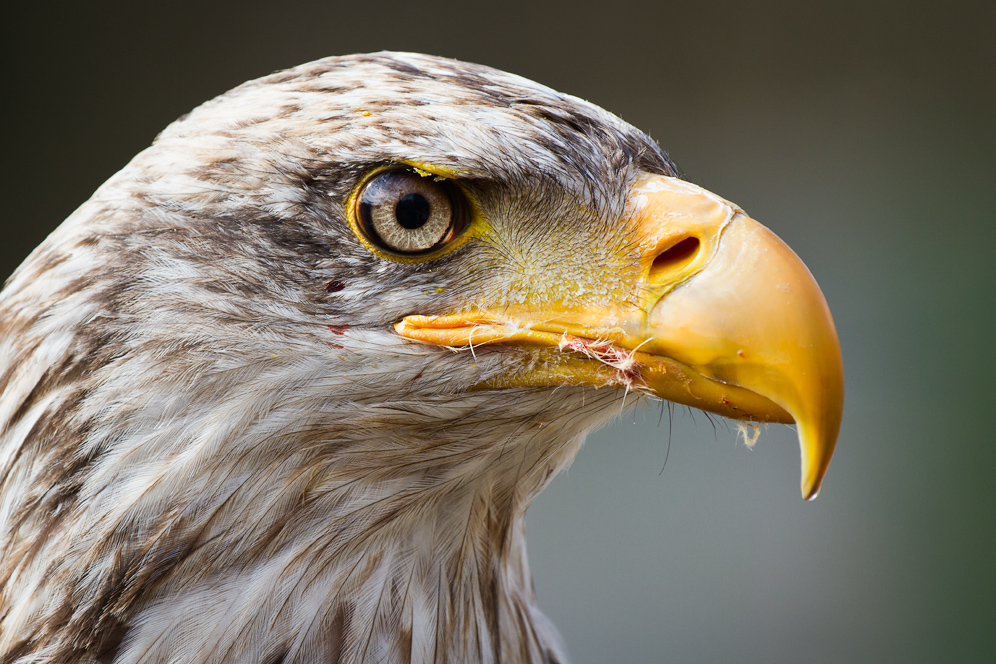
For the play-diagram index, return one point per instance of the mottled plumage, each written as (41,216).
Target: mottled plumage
(213,446)
(239,425)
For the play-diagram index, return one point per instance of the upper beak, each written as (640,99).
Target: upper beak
(724,317)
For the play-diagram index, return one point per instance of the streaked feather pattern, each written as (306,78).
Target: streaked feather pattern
(208,456)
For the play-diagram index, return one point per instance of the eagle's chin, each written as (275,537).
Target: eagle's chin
(311,553)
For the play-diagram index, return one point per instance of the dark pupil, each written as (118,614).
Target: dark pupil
(412,211)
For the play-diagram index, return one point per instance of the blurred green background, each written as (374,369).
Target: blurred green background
(863,133)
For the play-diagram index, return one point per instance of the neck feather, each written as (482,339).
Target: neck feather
(383,533)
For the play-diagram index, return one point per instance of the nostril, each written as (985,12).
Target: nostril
(674,257)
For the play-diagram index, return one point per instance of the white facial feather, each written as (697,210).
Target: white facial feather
(208,453)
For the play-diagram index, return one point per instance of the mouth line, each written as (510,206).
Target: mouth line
(632,369)
(612,359)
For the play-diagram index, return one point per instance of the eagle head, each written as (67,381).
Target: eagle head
(284,387)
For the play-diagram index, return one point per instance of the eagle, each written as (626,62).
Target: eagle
(282,390)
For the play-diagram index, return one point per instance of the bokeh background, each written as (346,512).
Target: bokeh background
(863,133)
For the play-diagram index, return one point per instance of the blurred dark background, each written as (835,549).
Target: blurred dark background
(863,133)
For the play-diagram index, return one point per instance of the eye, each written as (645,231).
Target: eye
(406,213)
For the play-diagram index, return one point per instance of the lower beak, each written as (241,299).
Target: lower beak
(724,317)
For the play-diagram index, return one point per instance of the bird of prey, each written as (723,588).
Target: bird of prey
(283,389)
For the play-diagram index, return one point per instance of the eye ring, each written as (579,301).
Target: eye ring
(404,212)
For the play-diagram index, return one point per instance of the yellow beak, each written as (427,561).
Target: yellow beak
(723,317)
